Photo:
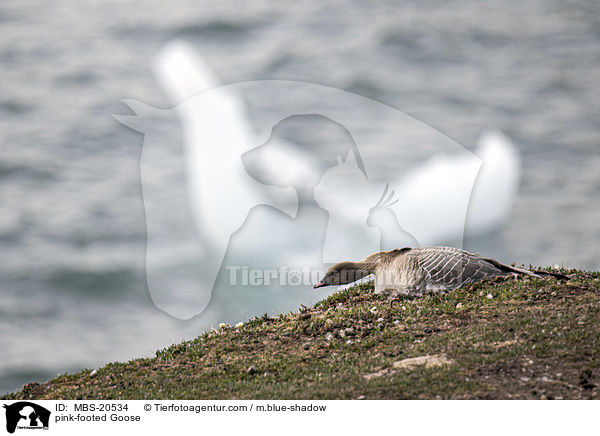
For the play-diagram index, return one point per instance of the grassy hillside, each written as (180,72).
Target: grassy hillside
(514,338)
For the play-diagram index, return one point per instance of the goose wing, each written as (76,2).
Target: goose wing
(452,268)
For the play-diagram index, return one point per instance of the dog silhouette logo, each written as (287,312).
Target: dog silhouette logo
(26,415)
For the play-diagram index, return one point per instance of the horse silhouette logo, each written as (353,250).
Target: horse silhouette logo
(26,415)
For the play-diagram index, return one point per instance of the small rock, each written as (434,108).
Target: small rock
(362,397)
(397,322)
(459,305)
(342,334)
(349,331)
(349,342)
(525,379)
(380,320)
(490,296)
(377,374)
(93,373)
(428,361)
(329,337)
(251,370)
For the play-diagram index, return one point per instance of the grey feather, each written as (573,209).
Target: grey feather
(435,269)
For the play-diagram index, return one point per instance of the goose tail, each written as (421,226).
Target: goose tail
(517,270)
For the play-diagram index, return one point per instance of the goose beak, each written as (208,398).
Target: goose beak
(319,285)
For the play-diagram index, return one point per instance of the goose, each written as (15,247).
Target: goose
(418,271)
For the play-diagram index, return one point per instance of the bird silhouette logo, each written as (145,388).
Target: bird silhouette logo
(383,217)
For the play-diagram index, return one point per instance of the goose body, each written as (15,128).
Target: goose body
(419,271)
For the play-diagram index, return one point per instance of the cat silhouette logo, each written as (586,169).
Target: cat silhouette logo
(26,415)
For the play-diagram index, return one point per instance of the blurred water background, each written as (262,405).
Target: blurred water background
(73,292)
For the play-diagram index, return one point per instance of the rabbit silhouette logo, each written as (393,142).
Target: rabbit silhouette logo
(26,415)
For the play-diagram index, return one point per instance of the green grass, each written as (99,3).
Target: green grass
(533,338)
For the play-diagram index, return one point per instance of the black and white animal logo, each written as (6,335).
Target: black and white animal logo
(26,415)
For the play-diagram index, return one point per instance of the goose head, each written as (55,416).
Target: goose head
(343,273)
